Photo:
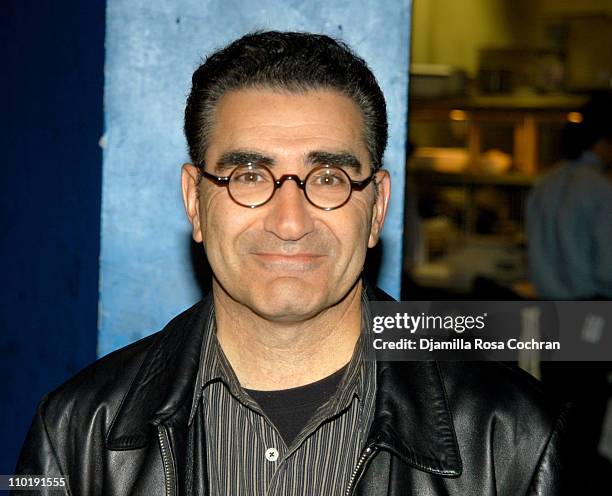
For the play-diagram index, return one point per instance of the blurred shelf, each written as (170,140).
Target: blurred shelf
(518,102)
(489,150)
(473,178)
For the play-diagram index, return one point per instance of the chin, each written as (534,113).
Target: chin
(289,299)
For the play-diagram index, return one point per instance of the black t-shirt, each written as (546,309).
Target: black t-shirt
(290,409)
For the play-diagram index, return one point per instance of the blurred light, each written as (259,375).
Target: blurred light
(575,117)
(458,115)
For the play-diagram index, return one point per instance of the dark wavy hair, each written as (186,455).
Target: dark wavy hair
(596,124)
(296,62)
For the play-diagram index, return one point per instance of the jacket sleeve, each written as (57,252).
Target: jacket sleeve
(38,456)
(550,477)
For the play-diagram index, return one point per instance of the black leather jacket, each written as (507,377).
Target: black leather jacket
(121,426)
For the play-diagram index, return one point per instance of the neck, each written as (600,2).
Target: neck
(603,151)
(268,355)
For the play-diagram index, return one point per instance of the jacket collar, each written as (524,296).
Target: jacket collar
(411,419)
(164,383)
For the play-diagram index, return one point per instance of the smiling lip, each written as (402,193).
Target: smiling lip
(298,257)
(296,261)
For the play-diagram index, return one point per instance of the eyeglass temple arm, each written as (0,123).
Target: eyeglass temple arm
(220,180)
(359,185)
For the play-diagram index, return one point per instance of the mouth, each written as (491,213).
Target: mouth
(294,262)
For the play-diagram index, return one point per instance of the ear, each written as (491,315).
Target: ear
(189,185)
(379,209)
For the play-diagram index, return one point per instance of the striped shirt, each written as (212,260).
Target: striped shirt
(246,455)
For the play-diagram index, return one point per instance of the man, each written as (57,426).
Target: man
(569,233)
(569,213)
(264,387)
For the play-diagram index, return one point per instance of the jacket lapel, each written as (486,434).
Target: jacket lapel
(412,419)
(164,383)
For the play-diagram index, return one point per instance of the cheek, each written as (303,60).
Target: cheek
(214,230)
(214,212)
(221,257)
(353,233)
(224,226)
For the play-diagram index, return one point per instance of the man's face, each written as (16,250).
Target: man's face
(286,260)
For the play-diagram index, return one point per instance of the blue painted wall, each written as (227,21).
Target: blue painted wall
(152,48)
(50,182)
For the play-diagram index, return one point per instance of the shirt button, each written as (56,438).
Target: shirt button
(271,454)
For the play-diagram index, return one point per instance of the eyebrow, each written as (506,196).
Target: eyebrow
(234,158)
(344,160)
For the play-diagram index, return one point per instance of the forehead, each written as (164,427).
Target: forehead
(281,122)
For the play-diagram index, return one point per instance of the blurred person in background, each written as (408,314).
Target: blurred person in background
(569,213)
(569,233)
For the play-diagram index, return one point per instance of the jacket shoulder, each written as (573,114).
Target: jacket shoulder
(495,384)
(102,382)
(98,390)
(71,429)
(494,388)
(503,411)
(70,423)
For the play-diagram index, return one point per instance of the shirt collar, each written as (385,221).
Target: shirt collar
(214,366)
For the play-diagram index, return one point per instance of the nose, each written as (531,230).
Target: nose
(288,213)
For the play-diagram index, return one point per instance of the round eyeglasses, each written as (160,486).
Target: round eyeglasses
(326,187)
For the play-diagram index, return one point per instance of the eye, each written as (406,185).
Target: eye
(328,178)
(250,176)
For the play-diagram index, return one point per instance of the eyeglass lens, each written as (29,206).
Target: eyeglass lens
(325,187)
